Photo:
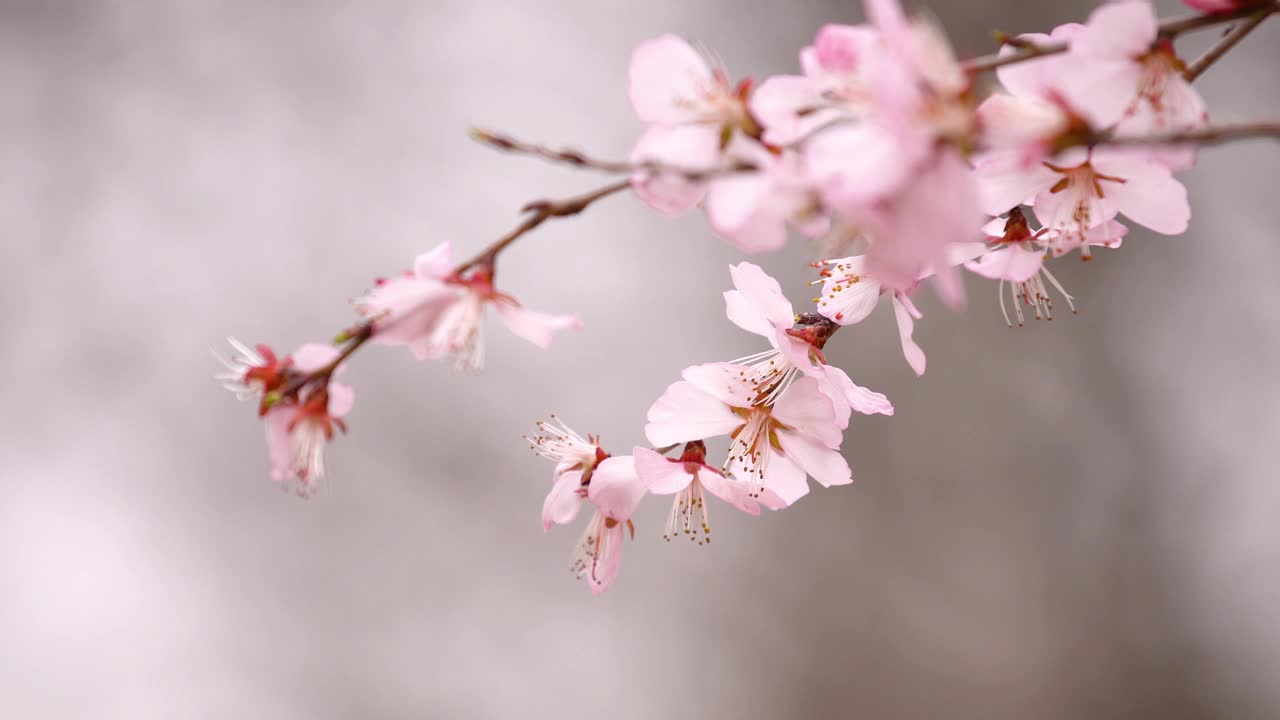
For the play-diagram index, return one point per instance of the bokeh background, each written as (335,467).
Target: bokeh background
(1074,519)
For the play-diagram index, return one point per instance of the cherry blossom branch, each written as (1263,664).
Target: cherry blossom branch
(1212,135)
(1223,46)
(1168,29)
(540,211)
(568,156)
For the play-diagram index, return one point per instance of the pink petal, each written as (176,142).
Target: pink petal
(790,107)
(685,413)
(722,381)
(1036,78)
(733,492)
(341,399)
(1151,196)
(667,78)
(280,441)
(824,464)
(313,356)
(805,409)
(1013,263)
(763,292)
(662,476)
(1117,30)
(855,165)
(435,263)
(867,402)
(785,482)
(604,567)
(687,146)
(1005,181)
(563,502)
(906,328)
(614,488)
(538,328)
(1100,89)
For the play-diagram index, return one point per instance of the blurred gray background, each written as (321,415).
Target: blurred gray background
(1075,519)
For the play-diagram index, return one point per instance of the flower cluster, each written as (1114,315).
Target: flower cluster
(894,156)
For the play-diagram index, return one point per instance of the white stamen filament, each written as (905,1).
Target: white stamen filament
(768,374)
(559,443)
(689,515)
(1034,293)
(751,449)
(236,367)
(308,455)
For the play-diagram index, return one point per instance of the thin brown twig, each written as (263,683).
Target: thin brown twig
(539,212)
(568,156)
(1230,40)
(1168,29)
(1211,135)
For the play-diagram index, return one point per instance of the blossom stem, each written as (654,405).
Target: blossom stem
(568,156)
(355,338)
(1168,29)
(1212,135)
(539,212)
(1230,40)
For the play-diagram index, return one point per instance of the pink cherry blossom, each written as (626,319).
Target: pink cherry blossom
(758,306)
(1019,260)
(690,109)
(689,478)
(575,457)
(1079,189)
(1120,72)
(435,311)
(615,491)
(297,431)
(773,447)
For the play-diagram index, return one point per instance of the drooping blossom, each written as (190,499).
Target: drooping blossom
(690,478)
(615,491)
(1120,71)
(575,458)
(757,305)
(300,424)
(850,293)
(1018,259)
(773,447)
(1080,189)
(691,111)
(437,311)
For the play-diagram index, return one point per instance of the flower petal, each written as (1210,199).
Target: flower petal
(805,409)
(667,78)
(564,500)
(824,464)
(435,263)
(614,488)
(538,328)
(685,413)
(906,328)
(661,475)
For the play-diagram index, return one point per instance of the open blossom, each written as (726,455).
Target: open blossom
(690,479)
(1120,71)
(757,305)
(575,458)
(436,311)
(296,435)
(1079,189)
(773,447)
(691,110)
